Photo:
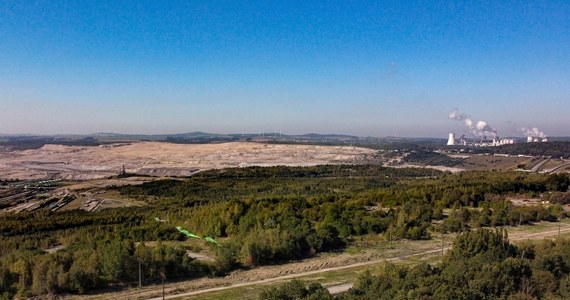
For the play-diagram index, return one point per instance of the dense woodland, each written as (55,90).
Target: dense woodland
(260,216)
(481,265)
(557,149)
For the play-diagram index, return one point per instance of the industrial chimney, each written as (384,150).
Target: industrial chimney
(462,140)
(451,140)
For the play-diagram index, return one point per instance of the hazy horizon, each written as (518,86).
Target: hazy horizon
(364,68)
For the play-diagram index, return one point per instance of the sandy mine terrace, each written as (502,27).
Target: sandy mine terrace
(166,159)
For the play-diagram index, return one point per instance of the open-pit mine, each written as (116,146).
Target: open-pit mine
(165,159)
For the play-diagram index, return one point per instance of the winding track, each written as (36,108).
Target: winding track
(539,165)
(558,167)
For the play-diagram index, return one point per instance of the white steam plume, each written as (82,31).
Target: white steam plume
(480,128)
(455,115)
(533,132)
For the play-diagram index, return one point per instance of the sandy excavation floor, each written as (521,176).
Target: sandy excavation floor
(166,159)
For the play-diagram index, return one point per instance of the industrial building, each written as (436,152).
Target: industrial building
(462,141)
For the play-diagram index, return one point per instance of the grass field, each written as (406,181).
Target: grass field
(490,162)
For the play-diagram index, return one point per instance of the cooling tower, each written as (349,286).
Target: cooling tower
(451,140)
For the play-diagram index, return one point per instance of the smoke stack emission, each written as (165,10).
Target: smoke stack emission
(478,129)
(533,132)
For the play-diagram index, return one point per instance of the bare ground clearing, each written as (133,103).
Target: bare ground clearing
(489,162)
(439,168)
(166,159)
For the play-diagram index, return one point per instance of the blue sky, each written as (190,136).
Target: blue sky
(366,68)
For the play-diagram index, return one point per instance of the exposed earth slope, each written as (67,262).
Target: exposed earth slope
(165,159)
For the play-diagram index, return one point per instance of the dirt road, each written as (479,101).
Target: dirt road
(292,276)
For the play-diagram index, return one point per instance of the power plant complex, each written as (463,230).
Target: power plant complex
(462,141)
(481,130)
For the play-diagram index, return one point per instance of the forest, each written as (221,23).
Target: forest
(554,149)
(260,216)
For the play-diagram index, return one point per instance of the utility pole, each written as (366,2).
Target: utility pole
(140,273)
(442,243)
(162,276)
(562,215)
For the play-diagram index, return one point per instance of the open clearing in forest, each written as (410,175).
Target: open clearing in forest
(329,269)
(490,162)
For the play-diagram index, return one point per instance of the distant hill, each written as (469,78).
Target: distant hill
(28,141)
